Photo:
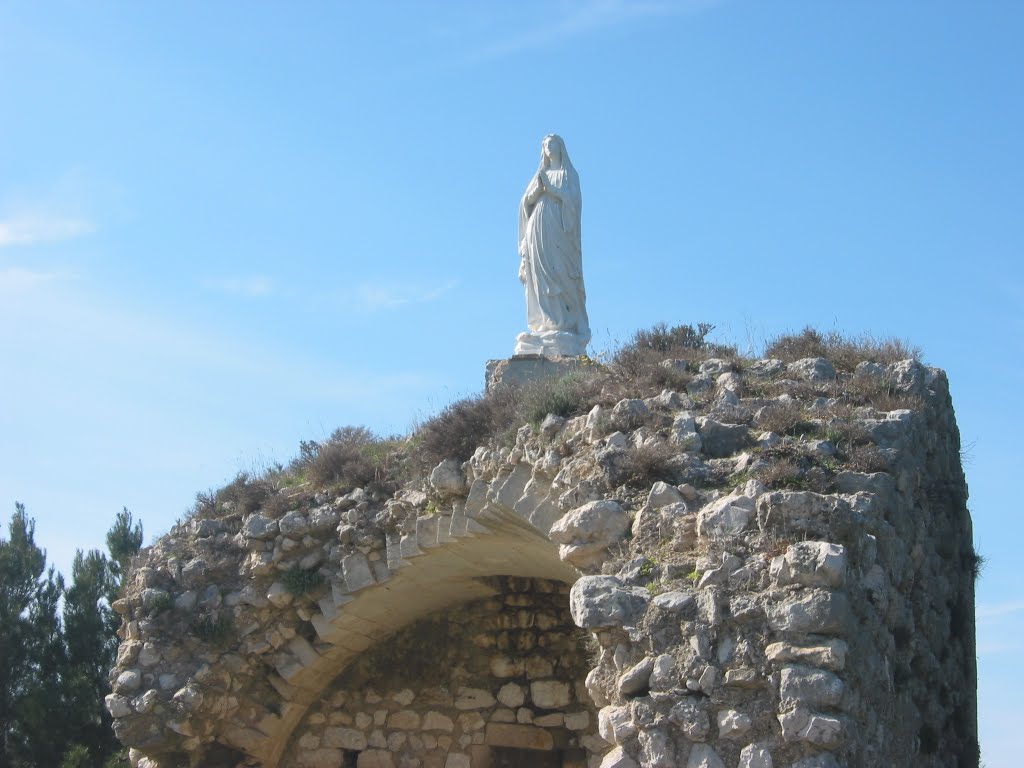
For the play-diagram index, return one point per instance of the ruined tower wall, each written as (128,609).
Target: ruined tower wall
(774,564)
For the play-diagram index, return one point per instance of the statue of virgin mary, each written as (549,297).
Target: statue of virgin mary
(551,258)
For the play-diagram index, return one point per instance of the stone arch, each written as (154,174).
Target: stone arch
(433,576)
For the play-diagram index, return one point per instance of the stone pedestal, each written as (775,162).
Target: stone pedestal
(524,369)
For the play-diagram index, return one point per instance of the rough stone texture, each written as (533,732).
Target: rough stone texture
(730,619)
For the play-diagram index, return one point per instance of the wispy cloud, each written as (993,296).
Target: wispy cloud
(32,229)
(584,17)
(379,296)
(997,610)
(19,278)
(251,286)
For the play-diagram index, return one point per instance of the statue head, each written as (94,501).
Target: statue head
(552,149)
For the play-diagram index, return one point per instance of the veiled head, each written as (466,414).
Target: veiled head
(553,150)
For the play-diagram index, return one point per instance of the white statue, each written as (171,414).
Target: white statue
(551,266)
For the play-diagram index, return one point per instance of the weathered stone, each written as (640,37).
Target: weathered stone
(615,724)
(628,414)
(725,517)
(691,718)
(678,602)
(550,694)
(732,724)
(656,749)
(518,736)
(378,758)
(473,698)
(357,571)
(664,675)
(809,686)
(755,756)
(511,695)
(812,564)
(587,531)
(320,758)
(448,478)
(437,721)
(117,706)
(637,678)
(344,738)
(816,370)
(618,758)
(259,527)
(127,681)
(812,610)
(404,719)
(830,653)
(703,756)
(720,440)
(800,724)
(604,601)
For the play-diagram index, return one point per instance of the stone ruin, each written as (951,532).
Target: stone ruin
(539,606)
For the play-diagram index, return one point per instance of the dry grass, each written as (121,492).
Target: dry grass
(844,353)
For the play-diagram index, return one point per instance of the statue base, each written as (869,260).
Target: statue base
(552,344)
(525,369)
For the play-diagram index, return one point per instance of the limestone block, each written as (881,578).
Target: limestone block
(320,758)
(117,706)
(662,494)
(801,724)
(344,738)
(677,602)
(755,756)
(629,414)
(615,724)
(809,686)
(656,749)
(437,721)
(577,721)
(703,756)
(603,601)
(550,694)
(816,370)
(259,527)
(618,758)
(356,569)
(637,678)
(691,718)
(293,524)
(812,564)
(720,440)
(830,653)
(127,681)
(733,724)
(664,675)
(448,478)
(377,758)
(404,719)
(812,610)
(587,531)
(725,517)
(511,695)
(457,760)
(473,698)
(279,595)
(518,736)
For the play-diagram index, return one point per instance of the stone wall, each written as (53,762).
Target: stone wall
(775,566)
(461,688)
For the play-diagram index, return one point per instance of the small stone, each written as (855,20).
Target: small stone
(692,720)
(550,694)
(604,601)
(637,678)
(615,725)
(656,749)
(437,721)
(813,610)
(664,676)
(732,723)
(511,695)
(755,756)
(813,687)
(618,758)
(117,706)
(473,698)
(703,756)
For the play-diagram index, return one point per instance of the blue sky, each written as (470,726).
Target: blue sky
(227,227)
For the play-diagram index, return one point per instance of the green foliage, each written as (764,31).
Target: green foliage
(54,672)
(244,494)
(213,629)
(301,581)
(352,457)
